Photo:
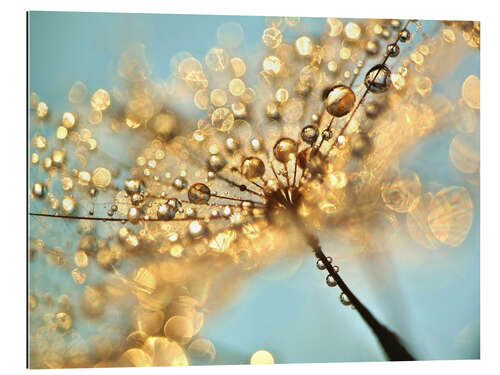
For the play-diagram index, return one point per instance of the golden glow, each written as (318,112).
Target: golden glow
(100,100)
(239,66)
(42,110)
(304,46)
(237,87)
(101,177)
(68,205)
(61,132)
(335,27)
(272,37)
(471,91)
(222,119)
(68,120)
(262,357)
(352,31)
(271,64)
(218,97)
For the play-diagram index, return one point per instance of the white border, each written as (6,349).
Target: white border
(13,172)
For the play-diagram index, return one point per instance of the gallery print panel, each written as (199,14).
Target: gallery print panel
(212,190)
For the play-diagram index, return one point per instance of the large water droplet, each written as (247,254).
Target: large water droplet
(199,193)
(378,79)
(340,100)
(285,149)
(252,167)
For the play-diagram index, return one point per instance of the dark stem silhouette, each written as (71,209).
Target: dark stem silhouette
(390,342)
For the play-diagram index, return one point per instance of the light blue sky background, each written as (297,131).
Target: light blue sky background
(298,319)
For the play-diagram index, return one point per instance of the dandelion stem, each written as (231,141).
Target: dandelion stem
(390,342)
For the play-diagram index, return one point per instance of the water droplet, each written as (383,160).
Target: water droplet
(256,144)
(404,35)
(395,24)
(68,205)
(378,79)
(252,167)
(340,100)
(197,228)
(372,47)
(38,190)
(137,199)
(133,215)
(344,299)
(321,266)
(393,50)
(190,212)
(215,163)
(285,149)
(330,281)
(180,183)
(199,193)
(315,118)
(169,209)
(232,144)
(227,211)
(309,134)
(133,185)
(272,111)
(326,134)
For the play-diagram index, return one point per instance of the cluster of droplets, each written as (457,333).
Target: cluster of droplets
(330,279)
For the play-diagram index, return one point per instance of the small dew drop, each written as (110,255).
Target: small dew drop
(344,299)
(309,134)
(330,281)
